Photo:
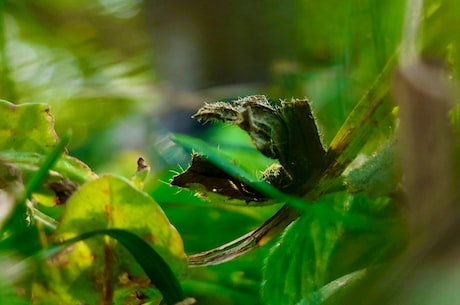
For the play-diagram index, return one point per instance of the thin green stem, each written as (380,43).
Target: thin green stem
(50,160)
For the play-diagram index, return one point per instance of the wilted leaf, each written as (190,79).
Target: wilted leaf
(142,172)
(216,185)
(99,270)
(218,179)
(280,130)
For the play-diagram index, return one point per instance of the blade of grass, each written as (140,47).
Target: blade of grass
(18,217)
(358,128)
(50,160)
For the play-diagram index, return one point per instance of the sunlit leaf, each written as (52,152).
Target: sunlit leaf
(27,142)
(65,166)
(98,269)
(26,128)
(151,262)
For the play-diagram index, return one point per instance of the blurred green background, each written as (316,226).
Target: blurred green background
(125,74)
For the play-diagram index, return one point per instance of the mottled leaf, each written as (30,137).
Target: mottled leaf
(158,271)
(99,271)
(26,128)
(27,140)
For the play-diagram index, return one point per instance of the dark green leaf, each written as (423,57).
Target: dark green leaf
(376,175)
(321,247)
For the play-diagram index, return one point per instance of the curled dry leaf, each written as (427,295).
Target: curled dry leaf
(279,130)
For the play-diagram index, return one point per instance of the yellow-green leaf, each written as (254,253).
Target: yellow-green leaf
(28,127)
(100,271)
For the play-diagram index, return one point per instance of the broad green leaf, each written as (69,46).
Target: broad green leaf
(297,265)
(319,248)
(99,269)
(151,262)
(26,128)
(27,138)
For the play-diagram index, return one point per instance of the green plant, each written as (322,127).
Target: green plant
(350,224)
(36,172)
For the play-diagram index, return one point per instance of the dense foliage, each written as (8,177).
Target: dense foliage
(350,189)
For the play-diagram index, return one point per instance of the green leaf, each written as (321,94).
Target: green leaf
(66,166)
(332,288)
(49,161)
(371,116)
(151,262)
(297,265)
(28,142)
(26,128)
(99,270)
(321,247)
(377,175)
